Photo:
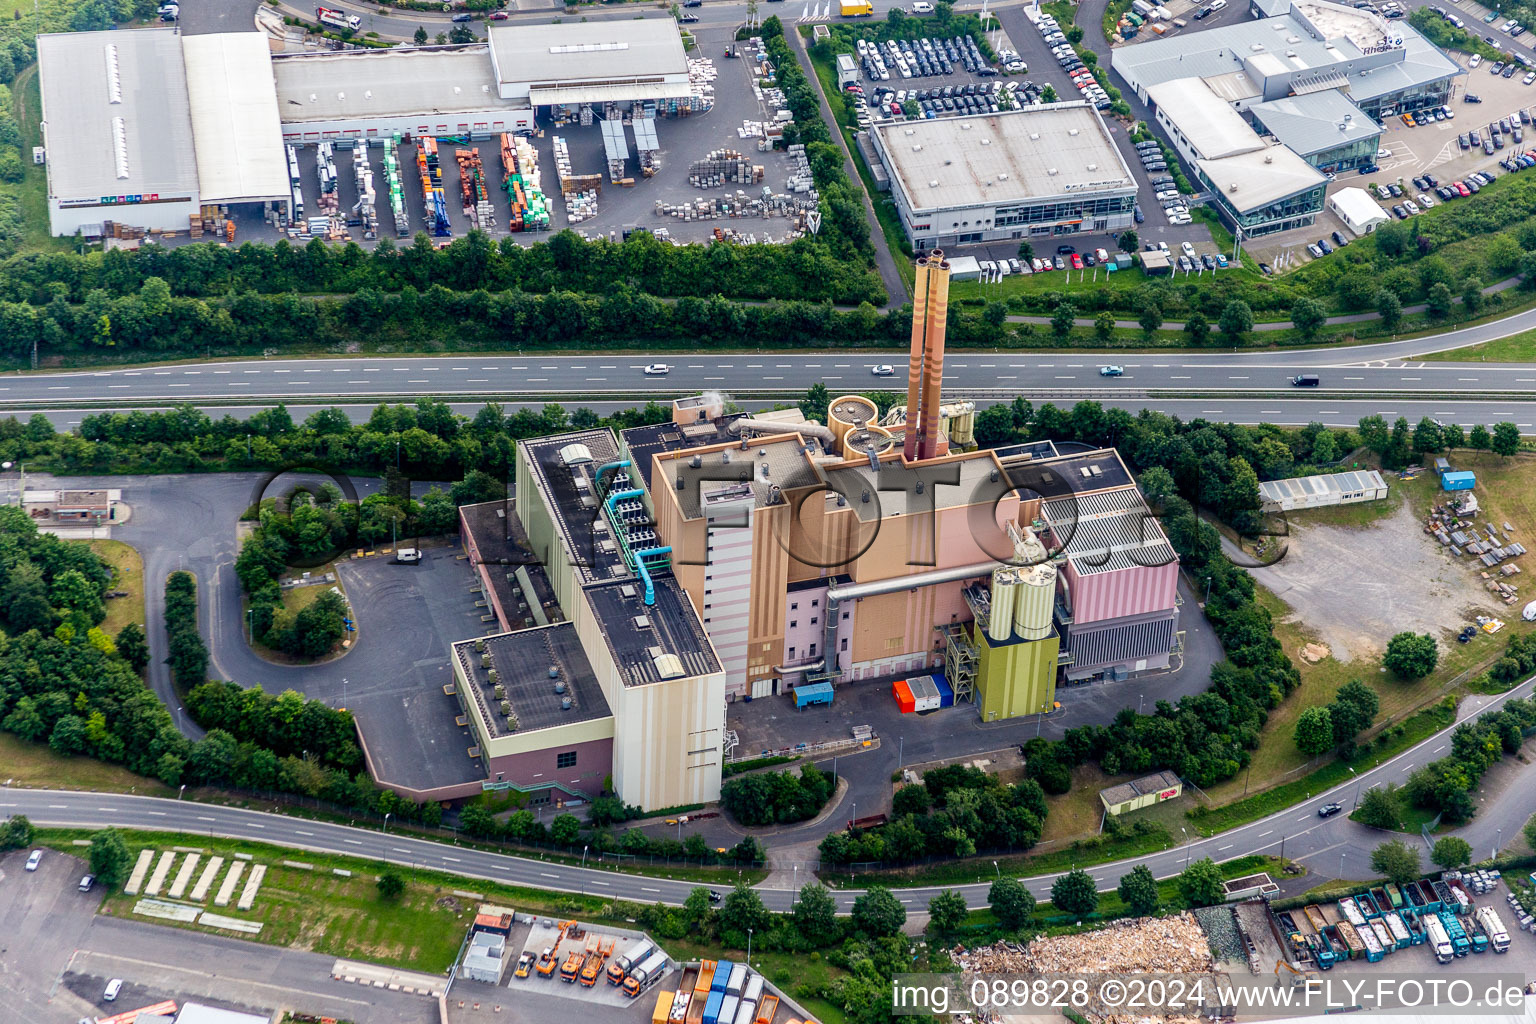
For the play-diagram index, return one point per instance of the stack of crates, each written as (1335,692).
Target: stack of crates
(396,185)
(520,165)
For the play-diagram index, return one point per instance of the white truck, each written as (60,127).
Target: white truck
(633,957)
(338,19)
(1438,939)
(1498,937)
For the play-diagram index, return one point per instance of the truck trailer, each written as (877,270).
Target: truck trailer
(1498,937)
(1438,940)
(338,19)
(855,8)
(634,956)
(1460,944)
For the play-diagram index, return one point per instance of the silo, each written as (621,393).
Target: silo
(1005,587)
(1034,600)
(847,412)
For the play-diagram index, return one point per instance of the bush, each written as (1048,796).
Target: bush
(764,798)
(1075,893)
(1411,656)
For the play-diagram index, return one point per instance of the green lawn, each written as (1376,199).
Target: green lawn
(1517,348)
(34,765)
(128,575)
(27,105)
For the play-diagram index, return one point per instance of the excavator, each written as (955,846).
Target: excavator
(1297,977)
(550,959)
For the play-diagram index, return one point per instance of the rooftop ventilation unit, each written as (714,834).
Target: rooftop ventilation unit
(565,703)
(588,47)
(668,666)
(554,671)
(560,686)
(641,622)
(120,146)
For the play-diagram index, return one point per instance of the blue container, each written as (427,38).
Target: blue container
(946,692)
(712,1007)
(722,976)
(1461,481)
(813,693)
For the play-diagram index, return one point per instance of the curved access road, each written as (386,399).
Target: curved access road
(1332,847)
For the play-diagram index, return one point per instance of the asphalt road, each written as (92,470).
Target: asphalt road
(1333,847)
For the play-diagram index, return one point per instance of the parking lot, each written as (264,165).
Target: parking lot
(546,933)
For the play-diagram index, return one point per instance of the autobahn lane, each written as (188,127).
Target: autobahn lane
(1297,829)
(467,377)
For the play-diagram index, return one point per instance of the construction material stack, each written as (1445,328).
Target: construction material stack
(362,170)
(431,172)
(330,190)
(580,190)
(295,183)
(477,202)
(722,167)
(520,167)
(647,145)
(396,184)
(615,149)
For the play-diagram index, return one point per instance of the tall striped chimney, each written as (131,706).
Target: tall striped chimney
(925,367)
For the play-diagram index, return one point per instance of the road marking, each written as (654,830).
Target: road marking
(1227,847)
(1407,766)
(1210,412)
(1354,378)
(1269,412)
(65,387)
(1177,377)
(1327,412)
(119,385)
(157,373)
(1066,376)
(399,850)
(158,814)
(168,385)
(302,832)
(1302,818)
(354,842)
(773,378)
(531,380)
(1412,378)
(239,384)
(201,817)
(250,371)
(482,380)
(191,373)
(167,373)
(1473,379)
(1261,835)
(350,382)
(645,888)
(61,807)
(596,378)
(416,382)
(106,808)
(1237,378)
(546,874)
(253,824)
(596,882)
(454,859)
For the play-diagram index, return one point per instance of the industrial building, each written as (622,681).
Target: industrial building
(1306,85)
(147,127)
(1030,173)
(1318,491)
(151,128)
(1139,793)
(641,582)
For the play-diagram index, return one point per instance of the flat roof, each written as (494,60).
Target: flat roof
(1213,128)
(529,665)
(1357,205)
(1252,181)
(1015,156)
(1315,123)
(1325,483)
(339,84)
(117,114)
(638,634)
(574,502)
(897,490)
(587,52)
(502,543)
(768,466)
(235,128)
(1155,783)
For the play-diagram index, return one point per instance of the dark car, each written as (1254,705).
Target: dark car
(1339,239)
(1510,69)
(463,17)
(1472,97)
(1399,212)
(1136,212)
(1306,380)
(1203,13)
(1369,169)
(1065,250)
(1329,810)
(1322,243)
(714,897)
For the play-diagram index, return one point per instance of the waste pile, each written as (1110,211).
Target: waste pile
(1171,945)
(1221,933)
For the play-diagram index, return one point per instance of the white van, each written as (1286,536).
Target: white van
(113,988)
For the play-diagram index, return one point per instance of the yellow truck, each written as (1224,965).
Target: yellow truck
(855,8)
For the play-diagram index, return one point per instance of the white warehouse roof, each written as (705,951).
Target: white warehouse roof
(1213,128)
(238,140)
(1356,206)
(1252,181)
(587,53)
(116,114)
(337,85)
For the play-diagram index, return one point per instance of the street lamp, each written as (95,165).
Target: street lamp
(386,822)
(584,850)
(183,790)
(998,870)
(795,891)
(1498,843)
(749,947)
(1357,786)
(1186,847)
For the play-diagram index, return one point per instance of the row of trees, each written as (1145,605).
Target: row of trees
(285,723)
(766,798)
(1446,785)
(188,655)
(1399,445)
(956,812)
(524,828)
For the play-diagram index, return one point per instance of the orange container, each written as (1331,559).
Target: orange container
(903,694)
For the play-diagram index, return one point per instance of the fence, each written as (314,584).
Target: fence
(798,750)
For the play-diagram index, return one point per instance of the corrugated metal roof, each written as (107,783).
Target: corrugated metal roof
(1304,486)
(1316,123)
(94,82)
(343,84)
(561,95)
(1210,124)
(235,127)
(588,52)
(1252,181)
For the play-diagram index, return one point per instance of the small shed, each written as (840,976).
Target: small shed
(1442,465)
(1156,263)
(1463,480)
(1143,792)
(964,268)
(847,70)
(1358,211)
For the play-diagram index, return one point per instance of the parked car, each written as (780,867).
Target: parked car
(34,860)
(466,16)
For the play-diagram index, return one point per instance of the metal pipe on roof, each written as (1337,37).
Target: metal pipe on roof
(622,496)
(645,572)
(605,467)
(810,429)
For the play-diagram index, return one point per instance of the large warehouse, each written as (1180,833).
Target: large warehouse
(1041,171)
(146,127)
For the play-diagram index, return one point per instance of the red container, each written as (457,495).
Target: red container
(903,694)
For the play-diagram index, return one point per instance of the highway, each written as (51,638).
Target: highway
(1332,847)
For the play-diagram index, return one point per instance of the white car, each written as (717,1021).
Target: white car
(922,7)
(1382,154)
(1189,250)
(883,370)
(1425,201)
(1477,59)
(657,369)
(1409,206)
(34,860)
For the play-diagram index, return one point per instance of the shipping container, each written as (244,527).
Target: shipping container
(663,1011)
(813,693)
(946,692)
(746,1012)
(737,981)
(925,694)
(722,975)
(903,694)
(729,1004)
(754,990)
(712,1007)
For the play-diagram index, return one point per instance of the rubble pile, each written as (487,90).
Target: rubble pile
(1221,933)
(1172,945)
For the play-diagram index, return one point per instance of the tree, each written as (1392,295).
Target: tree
(1075,893)
(878,912)
(815,915)
(743,910)
(1411,656)
(1314,731)
(1427,437)
(1012,904)
(1150,318)
(1506,439)
(16,833)
(1198,328)
(947,912)
(1451,852)
(1048,94)
(1381,807)
(131,645)
(1104,327)
(1061,319)
(421,36)
(1353,710)
(1437,303)
(109,857)
(1129,241)
(1309,316)
(1236,321)
(1529,831)
(1453,436)
(1478,438)
(1138,890)
(1201,884)
(564,829)
(1396,860)
(477,821)
(1472,295)
(391,886)
(1026,251)
(1390,307)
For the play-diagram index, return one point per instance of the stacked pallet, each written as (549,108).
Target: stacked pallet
(580,190)
(520,167)
(477,202)
(396,185)
(362,173)
(325,166)
(724,167)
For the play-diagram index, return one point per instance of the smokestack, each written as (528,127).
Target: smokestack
(925,367)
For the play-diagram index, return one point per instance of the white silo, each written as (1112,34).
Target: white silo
(1034,599)
(1005,587)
